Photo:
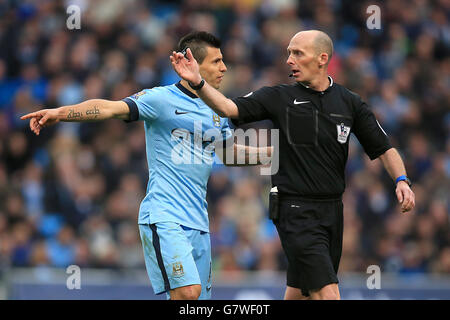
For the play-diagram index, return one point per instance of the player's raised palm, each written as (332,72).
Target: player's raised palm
(186,67)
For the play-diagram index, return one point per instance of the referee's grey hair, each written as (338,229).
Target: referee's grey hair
(323,43)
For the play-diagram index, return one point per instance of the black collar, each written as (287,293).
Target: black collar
(315,91)
(185,91)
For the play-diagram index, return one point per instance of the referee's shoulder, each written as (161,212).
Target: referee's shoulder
(275,89)
(346,91)
(281,87)
(348,95)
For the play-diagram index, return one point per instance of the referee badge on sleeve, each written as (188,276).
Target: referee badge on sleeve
(343,132)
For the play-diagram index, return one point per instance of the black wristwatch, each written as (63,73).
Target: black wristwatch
(197,87)
(403,178)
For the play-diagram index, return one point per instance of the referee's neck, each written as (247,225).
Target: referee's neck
(320,83)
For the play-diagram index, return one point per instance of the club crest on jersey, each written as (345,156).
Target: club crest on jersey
(137,95)
(177,269)
(216,120)
(342,133)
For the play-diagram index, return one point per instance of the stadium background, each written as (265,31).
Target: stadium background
(71,195)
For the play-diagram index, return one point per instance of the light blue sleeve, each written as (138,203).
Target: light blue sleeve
(148,103)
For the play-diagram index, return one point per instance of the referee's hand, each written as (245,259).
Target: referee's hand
(405,196)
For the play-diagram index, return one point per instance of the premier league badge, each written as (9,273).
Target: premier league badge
(343,133)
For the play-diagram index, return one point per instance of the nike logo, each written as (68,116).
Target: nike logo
(300,102)
(181,112)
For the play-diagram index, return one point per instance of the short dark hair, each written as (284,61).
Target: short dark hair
(197,41)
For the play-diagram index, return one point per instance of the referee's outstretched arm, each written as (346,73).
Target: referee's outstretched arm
(188,70)
(393,164)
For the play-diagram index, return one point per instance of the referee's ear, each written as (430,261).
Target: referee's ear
(323,60)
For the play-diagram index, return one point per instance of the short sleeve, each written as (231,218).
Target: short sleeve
(255,106)
(144,105)
(369,131)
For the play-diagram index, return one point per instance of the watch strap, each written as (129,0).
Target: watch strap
(197,87)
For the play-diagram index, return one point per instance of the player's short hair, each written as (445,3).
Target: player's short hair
(198,41)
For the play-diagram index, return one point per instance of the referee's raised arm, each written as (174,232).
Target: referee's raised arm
(188,69)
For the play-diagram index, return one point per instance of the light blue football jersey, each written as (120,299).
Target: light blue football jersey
(180,131)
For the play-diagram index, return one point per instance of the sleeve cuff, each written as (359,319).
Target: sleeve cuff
(134,111)
(380,152)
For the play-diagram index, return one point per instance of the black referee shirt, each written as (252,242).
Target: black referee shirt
(314,134)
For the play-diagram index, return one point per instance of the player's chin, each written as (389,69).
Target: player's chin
(217,84)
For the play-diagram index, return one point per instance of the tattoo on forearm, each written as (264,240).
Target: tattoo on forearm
(74,115)
(94,112)
(91,114)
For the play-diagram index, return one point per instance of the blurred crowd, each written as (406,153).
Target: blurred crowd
(71,195)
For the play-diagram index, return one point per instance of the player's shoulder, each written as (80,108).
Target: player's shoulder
(152,92)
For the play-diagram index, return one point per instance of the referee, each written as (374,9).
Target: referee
(315,117)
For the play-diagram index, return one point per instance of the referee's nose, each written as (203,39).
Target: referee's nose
(289,60)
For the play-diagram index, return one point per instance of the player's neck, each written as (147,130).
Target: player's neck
(185,84)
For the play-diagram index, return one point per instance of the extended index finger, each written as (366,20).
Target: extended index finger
(30,115)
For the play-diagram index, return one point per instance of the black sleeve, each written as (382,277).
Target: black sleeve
(255,106)
(134,112)
(369,132)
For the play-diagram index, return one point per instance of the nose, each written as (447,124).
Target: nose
(223,67)
(289,61)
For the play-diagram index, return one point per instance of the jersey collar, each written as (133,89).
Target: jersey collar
(315,91)
(184,90)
